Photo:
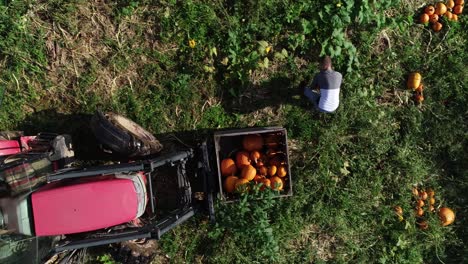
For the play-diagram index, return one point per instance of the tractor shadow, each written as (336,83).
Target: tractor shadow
(84,142)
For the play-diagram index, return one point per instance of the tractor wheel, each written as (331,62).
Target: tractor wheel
(123,136)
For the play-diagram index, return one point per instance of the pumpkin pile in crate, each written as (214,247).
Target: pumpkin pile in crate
(261,161)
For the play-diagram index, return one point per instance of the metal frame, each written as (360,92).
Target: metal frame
(154,230)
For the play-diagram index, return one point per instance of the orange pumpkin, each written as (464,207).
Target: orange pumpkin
(241,185)
(420,88)
(254,155)
(423,195)
(458,9)
(230,184)
(272,170)
(266,184)
(440,8)
(446,215)
(433,18)
(420,203)
(398,210)
(432,201)
(459,2)
(448,15)
(248,172)
(454,17)
(252,142)
(228,167)
(419,212)
(423,225)
(430,192)
(424,18)
(242,159)
(429,10)
(415,191)
(437,26)
(258,178)
(281,171)
(414,80)
(450,4)
(276,183)
(418,97)
(262,170)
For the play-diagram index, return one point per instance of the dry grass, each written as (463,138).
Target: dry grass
(82,53)
(314,239)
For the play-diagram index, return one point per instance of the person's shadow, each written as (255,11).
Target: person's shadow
(271,93)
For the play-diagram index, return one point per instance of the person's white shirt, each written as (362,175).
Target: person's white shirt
(329,99)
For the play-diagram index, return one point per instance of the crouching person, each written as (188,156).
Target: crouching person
(326,83)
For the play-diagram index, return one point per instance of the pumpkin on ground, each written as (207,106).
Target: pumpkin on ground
(440,8)
(446,215)
(423,225)
(437,26)
(398,210)
(420,88)
(429,10)
(458,9)
(419,212)
(414,80)
(430,192)
(418,97)
(423,195)
(450,4)
(424,18)
(448,15)
(420,203)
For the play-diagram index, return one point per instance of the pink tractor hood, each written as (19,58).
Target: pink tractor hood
(9,147)
(89,205)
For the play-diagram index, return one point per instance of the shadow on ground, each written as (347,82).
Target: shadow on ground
(272,93)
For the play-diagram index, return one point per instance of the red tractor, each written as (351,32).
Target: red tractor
(43,193)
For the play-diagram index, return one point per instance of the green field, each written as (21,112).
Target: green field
(61,59)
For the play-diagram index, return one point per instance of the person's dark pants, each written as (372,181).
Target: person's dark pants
(314,98)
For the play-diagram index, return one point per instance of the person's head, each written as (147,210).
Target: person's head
(325,63)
